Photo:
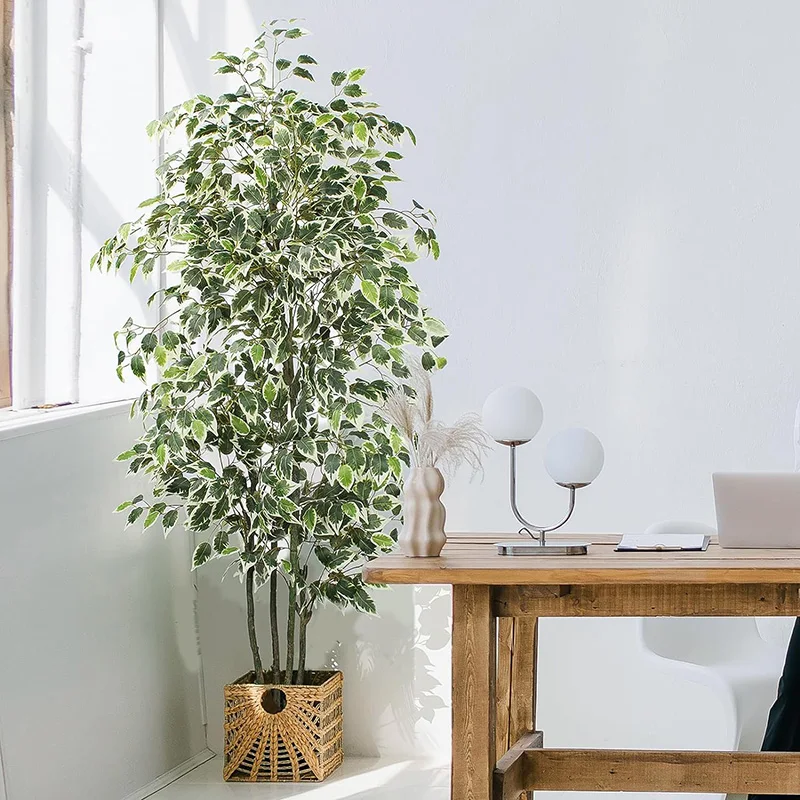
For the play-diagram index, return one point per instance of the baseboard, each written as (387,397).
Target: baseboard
(170,777)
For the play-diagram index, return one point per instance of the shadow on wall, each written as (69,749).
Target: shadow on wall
(393,680)
(396,663)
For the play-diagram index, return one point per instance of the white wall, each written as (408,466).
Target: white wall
(618,194)
(99,689)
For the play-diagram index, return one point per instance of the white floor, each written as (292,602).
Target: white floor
(356,779)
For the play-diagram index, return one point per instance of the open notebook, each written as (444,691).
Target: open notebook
(668,541)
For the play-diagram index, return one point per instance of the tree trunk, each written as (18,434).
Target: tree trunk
(289,671)
(273,621)
(251,625)
(301,656)
(291,610)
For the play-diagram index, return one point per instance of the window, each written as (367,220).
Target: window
(88,77)
(86,85)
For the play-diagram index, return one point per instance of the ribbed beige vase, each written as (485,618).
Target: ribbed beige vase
(423,530)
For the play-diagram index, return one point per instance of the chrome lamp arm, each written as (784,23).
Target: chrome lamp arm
(530,527)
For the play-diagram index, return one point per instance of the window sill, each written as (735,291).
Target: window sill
(23,422)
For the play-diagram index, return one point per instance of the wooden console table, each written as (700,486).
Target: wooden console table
(497,600)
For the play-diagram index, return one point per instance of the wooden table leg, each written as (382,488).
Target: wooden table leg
(516,682)
(505,649)
(522,717)
(474,645)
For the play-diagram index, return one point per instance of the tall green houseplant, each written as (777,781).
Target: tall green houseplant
(289,310)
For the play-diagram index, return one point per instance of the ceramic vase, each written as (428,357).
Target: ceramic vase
(423,530)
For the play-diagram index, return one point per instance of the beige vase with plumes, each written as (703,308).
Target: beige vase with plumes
(424,515)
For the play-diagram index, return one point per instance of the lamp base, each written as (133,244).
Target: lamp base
(555,548)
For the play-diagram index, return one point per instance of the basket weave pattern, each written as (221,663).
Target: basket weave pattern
(303,742)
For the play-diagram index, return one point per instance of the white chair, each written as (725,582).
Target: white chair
(728,652)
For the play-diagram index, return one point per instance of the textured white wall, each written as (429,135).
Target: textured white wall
(617,186)
(99,688)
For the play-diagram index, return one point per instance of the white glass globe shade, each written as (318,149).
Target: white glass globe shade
(512,414)
(574,457)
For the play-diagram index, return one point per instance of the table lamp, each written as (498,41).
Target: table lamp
(512,416)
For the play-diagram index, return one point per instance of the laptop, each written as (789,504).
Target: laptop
(758,509)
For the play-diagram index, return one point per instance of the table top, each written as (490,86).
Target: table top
(473,559)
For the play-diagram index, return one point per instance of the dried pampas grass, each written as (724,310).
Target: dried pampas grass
(431,442)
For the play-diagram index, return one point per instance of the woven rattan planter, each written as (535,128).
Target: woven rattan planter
(283,733)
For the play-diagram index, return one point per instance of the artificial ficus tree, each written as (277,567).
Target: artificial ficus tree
(286,319)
